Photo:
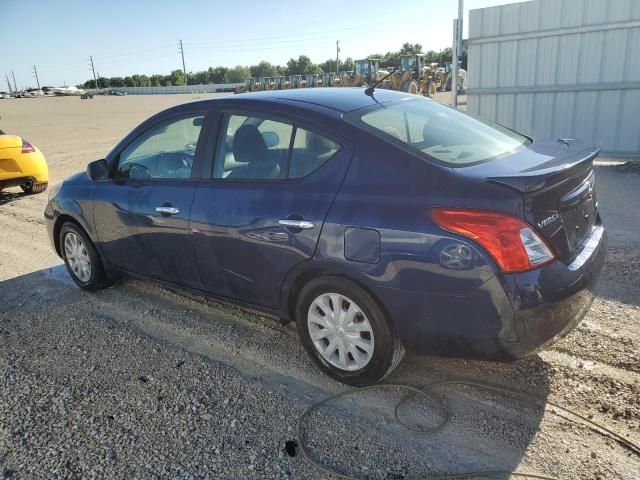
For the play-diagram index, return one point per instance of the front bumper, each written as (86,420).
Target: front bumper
(507,317)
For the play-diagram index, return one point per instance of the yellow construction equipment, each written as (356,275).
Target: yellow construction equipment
(412,76)
(366,73)
(249,85)
(295,81)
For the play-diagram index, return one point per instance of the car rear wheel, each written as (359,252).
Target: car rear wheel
(345,332)
(31,187)
(81,258)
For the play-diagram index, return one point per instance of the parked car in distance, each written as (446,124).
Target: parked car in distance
(377,221)
(22,164)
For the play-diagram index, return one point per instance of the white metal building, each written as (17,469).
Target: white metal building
(559,69)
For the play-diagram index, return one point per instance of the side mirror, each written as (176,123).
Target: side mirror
(98,170)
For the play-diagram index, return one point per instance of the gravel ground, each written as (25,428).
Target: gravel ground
(138,381)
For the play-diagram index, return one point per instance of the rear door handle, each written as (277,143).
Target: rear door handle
(301,224)
(167,210)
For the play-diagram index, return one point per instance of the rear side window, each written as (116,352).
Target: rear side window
(257,148)
(440,132)
(310,151)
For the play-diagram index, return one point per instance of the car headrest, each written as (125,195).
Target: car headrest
(248,145)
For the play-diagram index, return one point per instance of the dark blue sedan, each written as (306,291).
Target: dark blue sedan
(377,221)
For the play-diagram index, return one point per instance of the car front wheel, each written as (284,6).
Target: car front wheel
(81,258)
(346,333)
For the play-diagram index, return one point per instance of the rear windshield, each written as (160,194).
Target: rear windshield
(439,132)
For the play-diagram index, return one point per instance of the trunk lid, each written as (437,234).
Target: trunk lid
(557,182)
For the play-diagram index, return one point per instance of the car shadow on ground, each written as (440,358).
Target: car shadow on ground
(8,197)
(475,429)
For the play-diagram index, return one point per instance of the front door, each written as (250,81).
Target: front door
(142,213)
(262,211)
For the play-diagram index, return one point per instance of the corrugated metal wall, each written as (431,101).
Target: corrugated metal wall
(559,69)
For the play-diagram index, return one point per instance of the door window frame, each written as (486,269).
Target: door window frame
(213,147)
(113,158)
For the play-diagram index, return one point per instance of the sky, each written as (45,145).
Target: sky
(141,36)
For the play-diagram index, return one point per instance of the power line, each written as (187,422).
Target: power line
(300,37)
(291,41)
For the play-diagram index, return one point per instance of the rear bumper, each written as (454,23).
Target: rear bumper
(27,167)
(16,181)
(551,301)
(509,316)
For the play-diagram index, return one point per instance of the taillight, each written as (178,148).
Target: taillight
(513,244)
(27,147)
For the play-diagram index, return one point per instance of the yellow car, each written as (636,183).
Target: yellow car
(22,164)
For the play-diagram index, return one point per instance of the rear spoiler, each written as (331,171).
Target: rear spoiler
(549,173)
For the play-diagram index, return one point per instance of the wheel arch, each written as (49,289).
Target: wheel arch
(61,220)
(296,281)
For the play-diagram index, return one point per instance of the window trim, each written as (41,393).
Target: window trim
(223,113)
(150,124)
(354,118)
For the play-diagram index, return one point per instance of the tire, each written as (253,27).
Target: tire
(34,187)
(410,86)
(96,279)
(430,91)
(386,348)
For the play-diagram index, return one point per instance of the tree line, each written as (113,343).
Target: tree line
(238,74)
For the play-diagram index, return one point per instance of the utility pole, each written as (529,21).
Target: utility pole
(456,52)
(184,69)
(8,83)
(337,57)
(15,88)
(35,72)
(93,68)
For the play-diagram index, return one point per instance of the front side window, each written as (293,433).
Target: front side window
(165,151)
(440,132)
(257,148)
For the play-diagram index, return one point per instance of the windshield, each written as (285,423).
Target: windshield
(361,67)
(439,132)
(407,63)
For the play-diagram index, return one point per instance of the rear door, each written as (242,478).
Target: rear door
(142,212)
(262,207)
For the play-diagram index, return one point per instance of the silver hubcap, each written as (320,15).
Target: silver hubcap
(77,257)
(340,331)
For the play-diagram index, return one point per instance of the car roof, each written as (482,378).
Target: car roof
(342,100)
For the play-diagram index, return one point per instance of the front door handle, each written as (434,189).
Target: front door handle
(301,224)
(167,210)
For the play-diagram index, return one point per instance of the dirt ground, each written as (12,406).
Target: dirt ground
(138,381)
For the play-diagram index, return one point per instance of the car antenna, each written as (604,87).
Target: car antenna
(370,90)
